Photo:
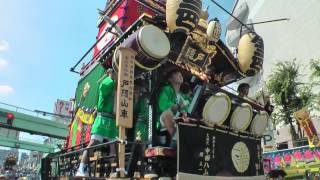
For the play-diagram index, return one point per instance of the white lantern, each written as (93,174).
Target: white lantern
(214,30)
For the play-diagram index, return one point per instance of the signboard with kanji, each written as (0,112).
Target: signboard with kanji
(125,88)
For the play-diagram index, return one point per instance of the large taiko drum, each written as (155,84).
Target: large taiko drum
(151,46)
(241,117)
(250,54)
(183,15)
(259,123)
(216,110)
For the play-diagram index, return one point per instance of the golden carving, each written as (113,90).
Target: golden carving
(155,5)
(199,37)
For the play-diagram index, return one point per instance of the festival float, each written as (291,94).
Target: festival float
(141,40)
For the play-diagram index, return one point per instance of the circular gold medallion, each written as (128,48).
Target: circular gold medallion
(240,156)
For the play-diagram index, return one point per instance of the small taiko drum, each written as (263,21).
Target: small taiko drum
(259,123)
(216,110)
(241,117)
(151,46)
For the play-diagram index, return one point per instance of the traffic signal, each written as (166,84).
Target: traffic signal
(10,118)
(7,116)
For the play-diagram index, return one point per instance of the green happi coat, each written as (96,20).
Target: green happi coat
(105,125)
(167,98)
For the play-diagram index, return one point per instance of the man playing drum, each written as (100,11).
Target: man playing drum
(170,102)
(243,89)
(104,125)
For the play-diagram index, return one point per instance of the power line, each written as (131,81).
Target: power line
(243,24)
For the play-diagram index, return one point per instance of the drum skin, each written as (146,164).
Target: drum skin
(259,123)
(241,117)
(217,109)
(183,15)
(250,54)
(147,37)
(148,53)
(214,30)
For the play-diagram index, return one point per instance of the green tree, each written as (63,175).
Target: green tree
(315,70)
(289,94)
(315,81)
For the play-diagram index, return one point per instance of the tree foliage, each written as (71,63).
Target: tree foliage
(288,92)
(315,80)
(315,70)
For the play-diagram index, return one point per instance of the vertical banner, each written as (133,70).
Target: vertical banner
(125,88)
(303,118)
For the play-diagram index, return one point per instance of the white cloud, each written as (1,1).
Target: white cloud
(3,63)
(4,45)
(5,89)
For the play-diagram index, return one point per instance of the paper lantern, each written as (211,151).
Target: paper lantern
(214,30)
(250,54)
(183,15)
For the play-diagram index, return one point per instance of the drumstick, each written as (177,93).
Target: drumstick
(191,119)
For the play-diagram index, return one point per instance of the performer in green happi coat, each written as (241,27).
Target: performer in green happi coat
(104,125)
(171,102)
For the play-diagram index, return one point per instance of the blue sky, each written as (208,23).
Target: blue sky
(40,41)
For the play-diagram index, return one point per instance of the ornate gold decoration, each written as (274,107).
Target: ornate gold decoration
(200,35)
(86,89)
(204,14)
(200,38)
(155,5)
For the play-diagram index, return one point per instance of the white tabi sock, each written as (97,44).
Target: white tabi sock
(82,166)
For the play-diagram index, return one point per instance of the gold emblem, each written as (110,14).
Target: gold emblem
(240,156)
(86,90)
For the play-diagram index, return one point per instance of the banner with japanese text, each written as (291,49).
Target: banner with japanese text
(209,152)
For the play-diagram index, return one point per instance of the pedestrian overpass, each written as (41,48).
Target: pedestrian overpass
(33,122)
